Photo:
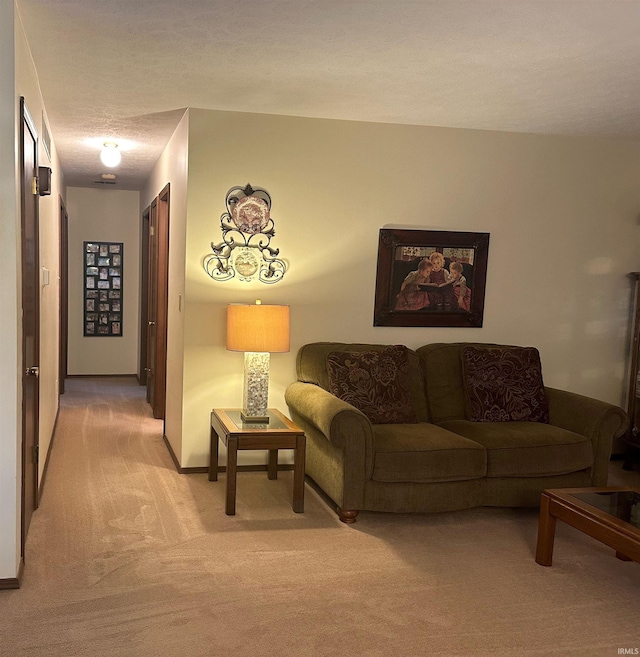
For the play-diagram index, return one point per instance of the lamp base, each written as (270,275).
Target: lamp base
(256,387)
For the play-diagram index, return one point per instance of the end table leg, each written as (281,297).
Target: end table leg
(232,466)
(546,533)
(298,475)
(213,456)
(272,468)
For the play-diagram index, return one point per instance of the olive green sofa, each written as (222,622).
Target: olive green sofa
(443,462)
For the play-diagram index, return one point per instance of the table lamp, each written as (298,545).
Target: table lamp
(258,330)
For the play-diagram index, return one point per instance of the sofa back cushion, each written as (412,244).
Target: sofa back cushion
(503,384)
(311,367)
(442,368)
(376,382)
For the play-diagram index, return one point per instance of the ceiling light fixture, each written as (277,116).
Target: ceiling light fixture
(108,176)
(110,155)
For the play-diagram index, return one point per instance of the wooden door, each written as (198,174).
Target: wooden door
(64,295)
(161,303)
(158,292)
(152,306)
(143,365)
(30,317)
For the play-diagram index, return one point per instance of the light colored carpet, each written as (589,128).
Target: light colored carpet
(128,558)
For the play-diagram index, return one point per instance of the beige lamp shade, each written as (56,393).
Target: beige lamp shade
(261,328)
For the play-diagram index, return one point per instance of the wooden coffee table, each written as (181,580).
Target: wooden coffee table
(279,433)
(611,515)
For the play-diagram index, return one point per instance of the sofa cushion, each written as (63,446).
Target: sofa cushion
(375,382)
(424,452)
(504,384)
(442,367)
(526,449)
(311,367)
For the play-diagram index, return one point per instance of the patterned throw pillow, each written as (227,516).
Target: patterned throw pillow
(504,384)
(375,382)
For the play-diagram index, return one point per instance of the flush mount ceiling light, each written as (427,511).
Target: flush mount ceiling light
(110,155)
(108,176)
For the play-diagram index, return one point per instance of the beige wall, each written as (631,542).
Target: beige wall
(172,169)
(108,216)
(19,78)
(561,211)
(10,399)
(49,215)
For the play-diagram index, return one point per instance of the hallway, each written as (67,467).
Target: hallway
(119,533)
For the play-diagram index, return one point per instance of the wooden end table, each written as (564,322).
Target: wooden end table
(611,515)
(279,433)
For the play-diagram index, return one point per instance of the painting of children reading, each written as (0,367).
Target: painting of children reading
(430,278)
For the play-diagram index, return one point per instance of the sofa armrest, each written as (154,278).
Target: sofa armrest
(339,443)
(338,421)
(597,420)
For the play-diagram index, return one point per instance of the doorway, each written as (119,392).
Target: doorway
(30,316)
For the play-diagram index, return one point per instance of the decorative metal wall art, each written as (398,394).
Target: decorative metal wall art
(103,288)
(247,229)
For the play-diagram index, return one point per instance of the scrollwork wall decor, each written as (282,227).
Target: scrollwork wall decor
(247,230)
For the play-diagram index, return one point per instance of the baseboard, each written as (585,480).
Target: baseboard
(46,463)
(255,468)
(12,582)
(174,458)
(221,468)
(101,376)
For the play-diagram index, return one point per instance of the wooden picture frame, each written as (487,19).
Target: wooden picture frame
(414,287)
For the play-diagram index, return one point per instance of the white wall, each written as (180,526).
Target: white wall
(107,216)
(10,399)
(172,168)
(561,211)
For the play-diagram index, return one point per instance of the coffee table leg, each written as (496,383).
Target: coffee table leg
(546,533)
(232,466)
(213,456)
(272,468)
(298,475)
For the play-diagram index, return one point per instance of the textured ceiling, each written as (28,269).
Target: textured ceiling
(126,69)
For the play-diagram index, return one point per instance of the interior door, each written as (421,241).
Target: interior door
(30,317)
(143,365)
(64,295)
(162,303)
(152,307)
(158,303)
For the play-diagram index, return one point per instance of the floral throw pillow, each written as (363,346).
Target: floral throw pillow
(504,384)
(375,382)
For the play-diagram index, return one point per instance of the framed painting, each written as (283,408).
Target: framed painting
(430,278)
